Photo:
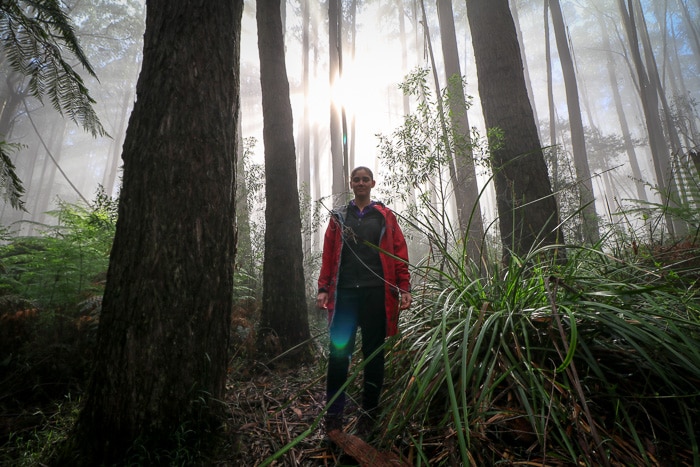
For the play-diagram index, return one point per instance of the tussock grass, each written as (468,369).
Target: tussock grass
(594,360)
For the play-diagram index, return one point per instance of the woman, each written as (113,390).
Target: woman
(364,282)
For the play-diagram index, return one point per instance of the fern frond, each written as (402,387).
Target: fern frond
(34,35)
(11,188)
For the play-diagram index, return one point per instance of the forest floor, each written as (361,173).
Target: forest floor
(269,409)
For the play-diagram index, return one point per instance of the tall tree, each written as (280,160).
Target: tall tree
(551,106)
(339,165)
(523,56)
(162,349)
(665,179)
(283,320)
(622,118)
(589,219)
(528,213)
(404,49)
(655,80)
(463,173)
(305,133)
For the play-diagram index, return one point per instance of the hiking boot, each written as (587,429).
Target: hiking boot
(333,422)
(365,427)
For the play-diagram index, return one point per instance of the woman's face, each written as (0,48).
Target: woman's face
(361,183)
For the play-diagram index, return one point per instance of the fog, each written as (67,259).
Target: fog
(59,160)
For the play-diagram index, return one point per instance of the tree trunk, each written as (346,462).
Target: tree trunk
(283,321)
(404,50)
(109,179)
(350,138)
(162,351)
(665,180)
(528,214)
(526,71)
(462,164)
(691,30)
(622,118)
(339,168)
(655,80)
(553,150)
(45,191)
(305,136)
(589,218)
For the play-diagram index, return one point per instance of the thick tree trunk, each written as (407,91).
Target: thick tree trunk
(526,70)
(528,214)
(463,173)
(162,351)
(283,321)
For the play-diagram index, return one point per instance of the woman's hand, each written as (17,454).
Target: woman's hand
(322,300)
(406,300)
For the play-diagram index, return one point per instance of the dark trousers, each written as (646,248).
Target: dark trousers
(364,308)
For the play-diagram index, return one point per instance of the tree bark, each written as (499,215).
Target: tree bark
(526,71)
(305,134)
(553,150)
(622,118)
(655,80)
(589,218)
(363,453)
(340,170)
(283,320)
(463,173)
(162,350)
(528,214)
(665,180)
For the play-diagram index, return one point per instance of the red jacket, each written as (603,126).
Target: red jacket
(392,245)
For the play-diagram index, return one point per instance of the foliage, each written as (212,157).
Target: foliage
(542,360)
(50,296)
(588,359)
(32,447)
(68,262)
(684,209)
(34,35)
(10,184)
(417,157)
(251,227)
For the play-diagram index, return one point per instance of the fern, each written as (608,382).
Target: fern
(33,35)
(68,263)
(10,185)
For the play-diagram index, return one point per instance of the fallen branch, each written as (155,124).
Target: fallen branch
(363,453)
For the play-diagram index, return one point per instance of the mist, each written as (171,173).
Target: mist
(59,161)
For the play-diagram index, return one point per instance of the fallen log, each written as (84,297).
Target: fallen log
(363,453)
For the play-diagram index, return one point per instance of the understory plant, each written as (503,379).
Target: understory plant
(68,261)
(50,294)
(593,361)
(571,354)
